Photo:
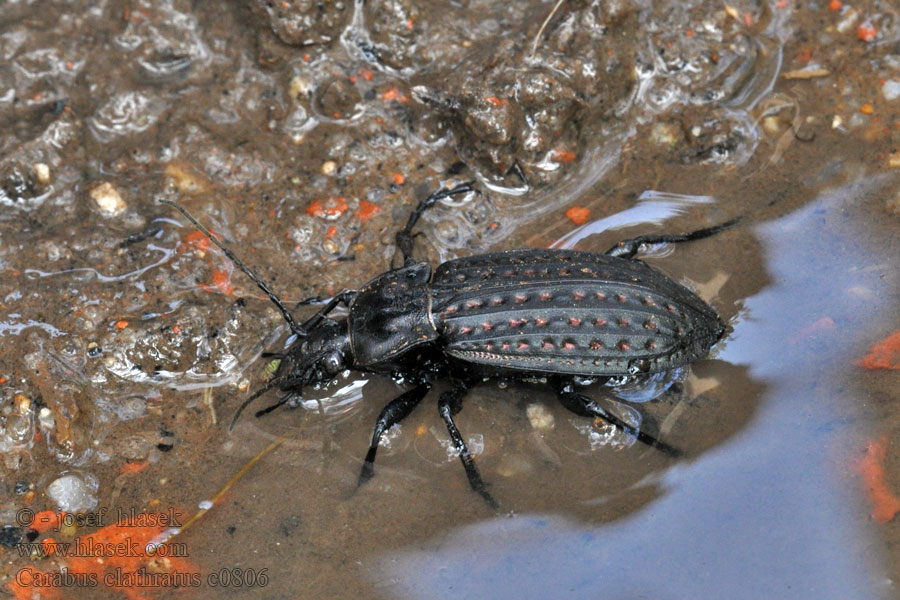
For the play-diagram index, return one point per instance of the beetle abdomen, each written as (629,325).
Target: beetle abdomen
(568,312)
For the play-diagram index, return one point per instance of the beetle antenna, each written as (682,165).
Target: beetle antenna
(253,397)
(295,328)
(283,400)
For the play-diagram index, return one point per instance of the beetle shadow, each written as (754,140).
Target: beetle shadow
(568,468)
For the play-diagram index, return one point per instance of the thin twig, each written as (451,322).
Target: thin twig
(540,32)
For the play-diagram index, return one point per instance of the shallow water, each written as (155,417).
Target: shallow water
(303,139)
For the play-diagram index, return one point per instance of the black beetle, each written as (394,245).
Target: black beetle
(565,315)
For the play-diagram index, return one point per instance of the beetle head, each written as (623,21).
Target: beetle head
(318,357)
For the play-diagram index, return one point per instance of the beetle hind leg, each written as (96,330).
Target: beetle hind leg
(397,410)
(629,248)
(450,403)
(586,407)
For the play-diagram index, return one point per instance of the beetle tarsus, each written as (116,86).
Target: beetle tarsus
(397,410)
(629,248)
(345,298)
(404,236)
(586,407)
(450,403)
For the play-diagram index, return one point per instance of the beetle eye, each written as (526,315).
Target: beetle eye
(333,363)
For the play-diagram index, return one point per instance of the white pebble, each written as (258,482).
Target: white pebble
(108,199)
(891,89)
(42,173)
(540,418)
(73,493)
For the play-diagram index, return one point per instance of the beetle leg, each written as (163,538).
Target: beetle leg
(586,407)
(345,298)
(404,237)
(628,248)
(393,413)
(449,404)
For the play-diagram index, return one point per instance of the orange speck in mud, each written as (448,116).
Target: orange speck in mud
(328,208)
(176,328)
(885,505)
(133,467)
(353,79)
(306,58)
(866,31)
(748,19)
(409,24)
(221,282)
(804,56)
(122,324)
(366,74)
(867,109)
(563,156)
(885,354)
(578,214)
(367,210)
(393,94)
(835,5)
(47,520)
(197,240)
(782,4)
(495,101)
(399,178)
(689,32)
(2,379)
(332,231)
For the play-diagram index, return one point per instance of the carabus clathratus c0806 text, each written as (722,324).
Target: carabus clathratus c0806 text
(568,316)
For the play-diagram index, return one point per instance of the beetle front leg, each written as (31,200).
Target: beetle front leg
(345,298)
(396,411)
(450,404)
(586,407)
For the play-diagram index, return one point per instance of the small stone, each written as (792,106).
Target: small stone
(108,200)
(329,167)
(298,86)
(331,247)
(891,89)
(42,173)
(23,404)
(45,418)
(10,536)
(73,493)
(846,24)
(664,134)
(185,179)
(540,418)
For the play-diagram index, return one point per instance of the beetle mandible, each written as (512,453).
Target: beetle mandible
(566,315)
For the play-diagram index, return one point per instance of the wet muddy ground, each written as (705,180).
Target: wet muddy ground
(303,134)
